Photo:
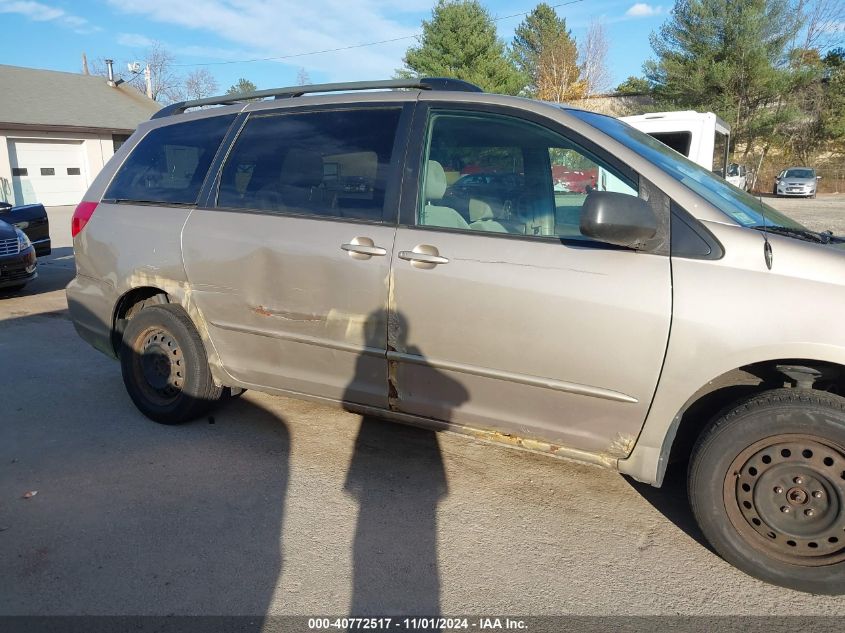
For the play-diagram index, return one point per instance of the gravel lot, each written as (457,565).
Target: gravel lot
(826,212)
(276,506)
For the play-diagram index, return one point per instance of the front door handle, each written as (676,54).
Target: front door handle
(363,248)
(423,256)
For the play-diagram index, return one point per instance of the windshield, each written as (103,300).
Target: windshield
(799,173)
(740,206)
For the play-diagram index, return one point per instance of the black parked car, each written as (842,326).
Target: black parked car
(17,258)
(32,220)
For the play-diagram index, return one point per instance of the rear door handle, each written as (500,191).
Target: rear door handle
(363,248)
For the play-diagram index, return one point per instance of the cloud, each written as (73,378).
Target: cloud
(43,13)
(276,28)
(134,40)
(643,10)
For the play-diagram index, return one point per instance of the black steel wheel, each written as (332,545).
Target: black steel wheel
(164,366)
(786,493)
(767,487)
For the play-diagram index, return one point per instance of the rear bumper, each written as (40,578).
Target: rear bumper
(91,306)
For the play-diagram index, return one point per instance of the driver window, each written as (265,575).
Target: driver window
(497,174)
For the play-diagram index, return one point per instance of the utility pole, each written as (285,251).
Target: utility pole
(85,64)
(148,78)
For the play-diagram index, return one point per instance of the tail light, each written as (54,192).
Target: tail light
(83,213)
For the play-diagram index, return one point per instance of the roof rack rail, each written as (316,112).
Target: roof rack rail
(424,83)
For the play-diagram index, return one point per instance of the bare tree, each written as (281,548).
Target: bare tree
(166,84)
(302,77)
(594,70)
(199,84)
(823,23)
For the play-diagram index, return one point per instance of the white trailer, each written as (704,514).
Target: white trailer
(702,137)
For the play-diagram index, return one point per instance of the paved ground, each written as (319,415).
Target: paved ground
(278,506)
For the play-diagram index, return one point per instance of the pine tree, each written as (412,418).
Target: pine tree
(545,53)
(243,85)
(460,41)
(728,57)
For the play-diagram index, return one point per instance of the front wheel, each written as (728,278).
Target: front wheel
(164,366)
(767,487)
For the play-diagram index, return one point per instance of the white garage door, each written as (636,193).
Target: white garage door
(49,172)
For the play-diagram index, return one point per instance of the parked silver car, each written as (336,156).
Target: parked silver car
(796,181)
(303,246)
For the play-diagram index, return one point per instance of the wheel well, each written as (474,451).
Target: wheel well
(130,303)
(744,382)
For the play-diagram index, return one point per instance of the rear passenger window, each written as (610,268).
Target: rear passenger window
(328,163)
(170,163)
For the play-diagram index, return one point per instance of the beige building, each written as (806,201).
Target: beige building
(616,104)
(58,129)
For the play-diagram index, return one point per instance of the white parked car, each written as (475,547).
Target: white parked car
(738,176)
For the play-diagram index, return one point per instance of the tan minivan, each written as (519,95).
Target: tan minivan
(587,292)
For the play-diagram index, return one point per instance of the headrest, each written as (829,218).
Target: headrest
(479,210)
(435,181)
(302,168)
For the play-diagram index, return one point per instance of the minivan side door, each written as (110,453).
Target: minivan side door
(549,334)
(289,260)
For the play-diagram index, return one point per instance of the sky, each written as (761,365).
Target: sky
(220,35)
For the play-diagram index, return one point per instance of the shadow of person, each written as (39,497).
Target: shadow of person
(398,478)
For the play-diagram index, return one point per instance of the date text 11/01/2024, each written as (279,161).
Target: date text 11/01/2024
(417,624)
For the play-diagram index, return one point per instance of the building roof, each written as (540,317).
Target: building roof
(35,97)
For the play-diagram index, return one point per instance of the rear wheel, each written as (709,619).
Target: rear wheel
(767,487)
(164,366)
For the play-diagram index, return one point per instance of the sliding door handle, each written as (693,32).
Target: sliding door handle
(363,248)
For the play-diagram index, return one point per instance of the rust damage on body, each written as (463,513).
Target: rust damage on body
(394,344)
(264,311)
(538,446)
(392,385)
(622,445)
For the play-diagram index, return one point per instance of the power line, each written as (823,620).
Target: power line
(353,46)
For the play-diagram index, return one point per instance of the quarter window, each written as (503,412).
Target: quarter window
(499,174)
(170,163)
(327,163)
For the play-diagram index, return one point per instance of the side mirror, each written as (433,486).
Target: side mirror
(617,218)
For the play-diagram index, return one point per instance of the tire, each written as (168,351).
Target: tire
(767,487)
(164,366)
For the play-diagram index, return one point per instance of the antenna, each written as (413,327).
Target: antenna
(767,247)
